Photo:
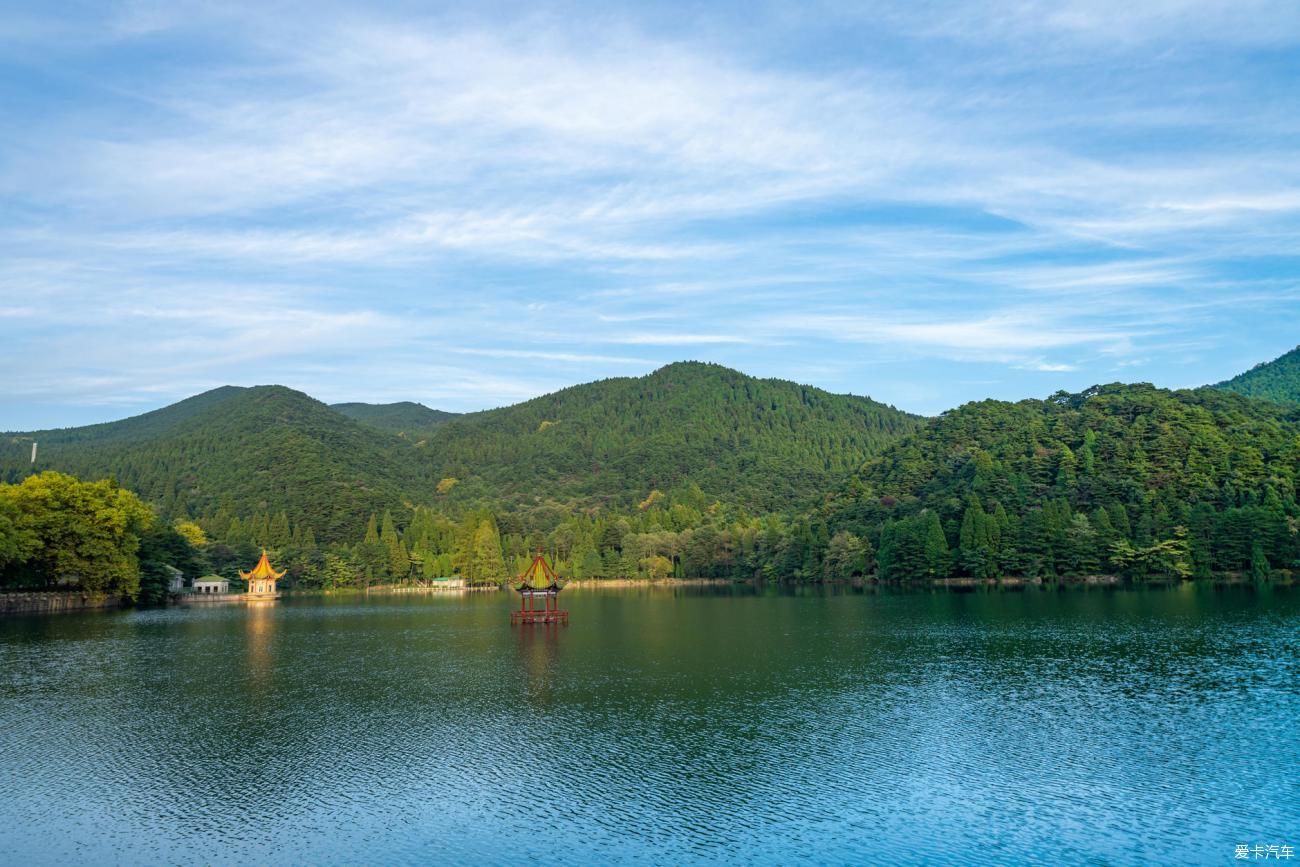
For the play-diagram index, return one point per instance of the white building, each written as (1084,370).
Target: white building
(211,584)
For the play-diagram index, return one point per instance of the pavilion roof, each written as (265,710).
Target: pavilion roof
(539,576)
(262,570)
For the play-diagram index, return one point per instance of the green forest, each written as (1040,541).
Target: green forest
(1121,479)
(409,420)
(1277,380)
(695,471)
(60,533)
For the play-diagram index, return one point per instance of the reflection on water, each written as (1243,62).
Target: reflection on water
(690,724)
(259,625)
(539,655)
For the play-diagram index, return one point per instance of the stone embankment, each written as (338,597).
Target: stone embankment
(54,602)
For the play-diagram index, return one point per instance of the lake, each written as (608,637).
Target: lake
(693,724)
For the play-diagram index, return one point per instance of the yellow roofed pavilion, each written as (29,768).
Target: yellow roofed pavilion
(261,580)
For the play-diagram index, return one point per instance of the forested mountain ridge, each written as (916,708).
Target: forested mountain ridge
(1277,380)
(407,419)
(247,450)
(1052,486)
(766,444)
(138,428)
(253,452)
(699,471)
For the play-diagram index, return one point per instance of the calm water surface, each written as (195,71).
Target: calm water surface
(661,726)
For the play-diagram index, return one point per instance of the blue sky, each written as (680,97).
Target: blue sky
(926,202)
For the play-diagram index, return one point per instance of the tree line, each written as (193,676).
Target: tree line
(60,533)
(1123,480)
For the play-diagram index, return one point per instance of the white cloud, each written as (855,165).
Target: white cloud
(670,339)
(1055,27)
(377,182)
(1002,336)
(546,355)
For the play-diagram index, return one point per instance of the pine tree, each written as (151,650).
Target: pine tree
(975,555)
(278,532)
(337,572)
(488,563)
(885,555)
(399,563)
(1083,557)
(936,547)
(1067,475)
(262,533)
(1036,547)
(591,565)
(1087,454)
(1119,520)
(1259,566)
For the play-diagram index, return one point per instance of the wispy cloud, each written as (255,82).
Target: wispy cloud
(1049,367)
(648,339)
(1054,187)
(1000,337)
(541,355)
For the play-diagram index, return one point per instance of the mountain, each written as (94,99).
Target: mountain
(765,444)
(406,419)
(1277,380)
(759,443)
(248,450)
(1050,486)
(620,477)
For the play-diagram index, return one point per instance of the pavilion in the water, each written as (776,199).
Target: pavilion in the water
(539,582)
(261,581)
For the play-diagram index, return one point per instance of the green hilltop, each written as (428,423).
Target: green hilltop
(259,449)
(760,444)
(698,470)
(765,444)
(1277,380)
(406,419)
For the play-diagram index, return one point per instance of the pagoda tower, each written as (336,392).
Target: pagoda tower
(539,581)
(261,581)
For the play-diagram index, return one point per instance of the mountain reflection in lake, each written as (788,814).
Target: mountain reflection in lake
(665,726)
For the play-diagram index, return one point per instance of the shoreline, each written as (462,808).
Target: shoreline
(1009,581)
(56,602)
(648,582)
(18,603)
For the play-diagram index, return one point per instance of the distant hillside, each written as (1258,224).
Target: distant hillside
(1045,487)
(761,443)
(1277,380)
(766,445)
(406,419)
(249,450)
(143,427)
(1119,479)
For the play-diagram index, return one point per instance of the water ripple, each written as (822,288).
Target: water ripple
(1116,727)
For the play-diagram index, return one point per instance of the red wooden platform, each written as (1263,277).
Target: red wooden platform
(539,615)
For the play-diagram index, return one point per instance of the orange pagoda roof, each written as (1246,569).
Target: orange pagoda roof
(262,570)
